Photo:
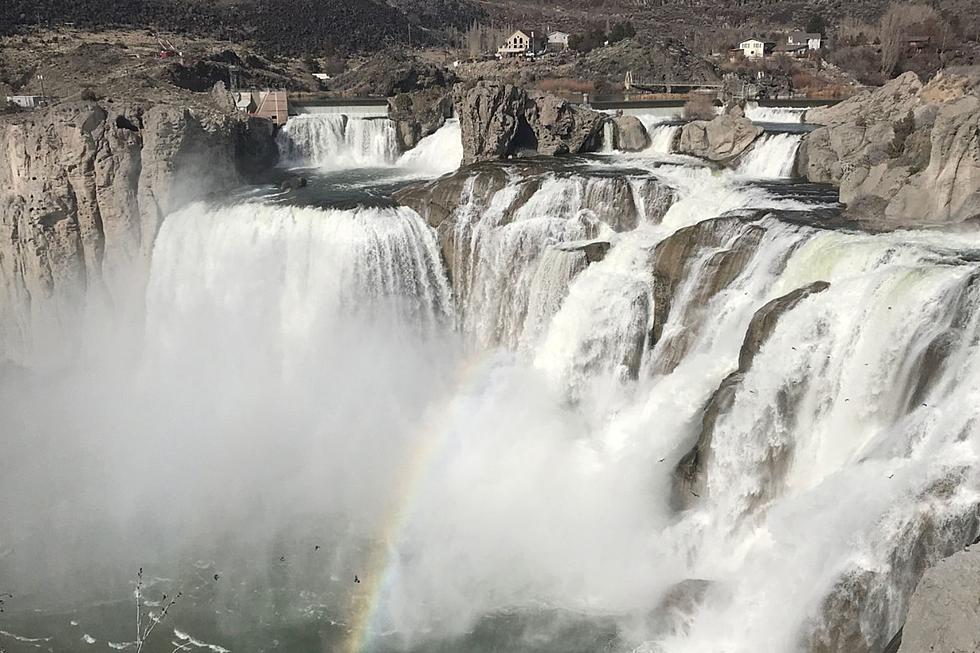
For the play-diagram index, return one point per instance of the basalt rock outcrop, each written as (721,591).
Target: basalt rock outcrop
(419,114)
(83,189)
(501,120)
(722,139)
(629,133)
(944,614)
(908,152)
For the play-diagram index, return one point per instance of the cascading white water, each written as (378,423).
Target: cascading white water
(824,409)
(437,153)
(756,113)
(662,139)
(504,246)
(337,141)
(772,156)
(294,275)
(608,137)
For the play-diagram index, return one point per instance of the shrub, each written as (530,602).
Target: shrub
(903,128)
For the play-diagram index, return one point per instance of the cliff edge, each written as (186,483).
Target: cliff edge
(907,152)
(83,189)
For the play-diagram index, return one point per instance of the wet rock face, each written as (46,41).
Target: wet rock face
(505,189)
(690,477)
(501,120)
(907,152)
(419,114)
(84,188)
(944,614)
(734,242)
(865,609)
(722,139)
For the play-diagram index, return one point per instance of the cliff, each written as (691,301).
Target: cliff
(83,189)
(908,151)
(944,614)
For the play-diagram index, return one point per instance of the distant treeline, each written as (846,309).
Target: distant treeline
(291,27)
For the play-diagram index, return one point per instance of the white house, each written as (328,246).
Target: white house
(558,40)
(28,101)
(811,40)
(521,43)
(753,48)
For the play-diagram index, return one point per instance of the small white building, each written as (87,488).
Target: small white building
(811,40)
(28,101)
(753,48)
(521,43)
(558,40)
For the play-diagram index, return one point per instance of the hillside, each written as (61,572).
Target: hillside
(292,27)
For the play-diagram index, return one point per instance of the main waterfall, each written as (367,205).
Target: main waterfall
(627,403)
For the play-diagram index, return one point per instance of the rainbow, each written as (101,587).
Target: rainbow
(431,440)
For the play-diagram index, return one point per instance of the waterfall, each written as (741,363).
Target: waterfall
(844,393)
(289,277)
(624,401)
(608,137)
(772,156)
(437,153)
(662,139)
(757,113)
(337,141)
(503,246)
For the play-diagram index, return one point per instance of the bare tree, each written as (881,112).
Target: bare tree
(144,627)
(898,24)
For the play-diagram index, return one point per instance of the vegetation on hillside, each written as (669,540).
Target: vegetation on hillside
(291,27)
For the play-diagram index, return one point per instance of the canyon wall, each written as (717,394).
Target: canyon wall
(908,151)
(83,189)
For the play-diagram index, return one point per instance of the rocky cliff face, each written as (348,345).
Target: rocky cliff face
(83,188)
(629,133)
(944,614)
(500,120)
(417,115)
(907,152)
